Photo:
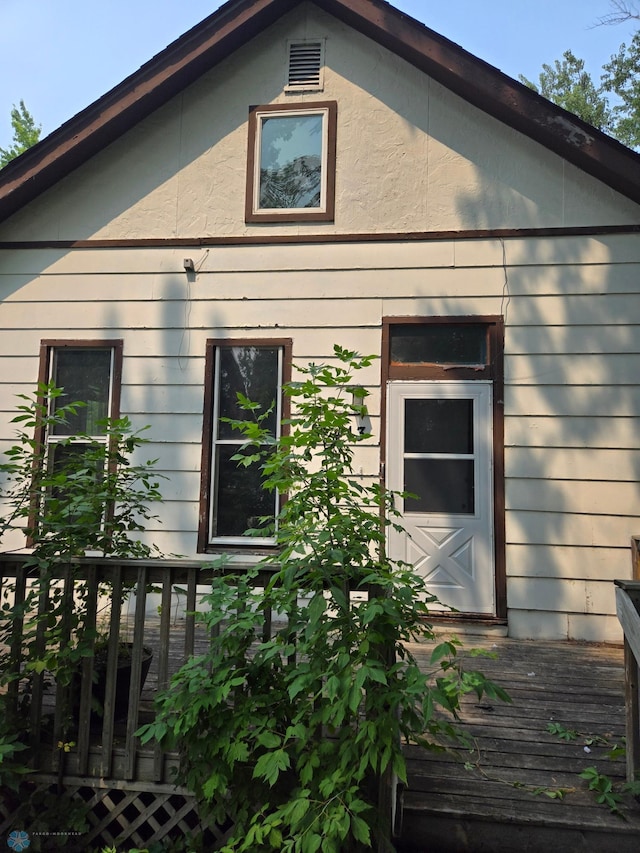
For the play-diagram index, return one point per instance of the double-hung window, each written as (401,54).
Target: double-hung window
(291,162)
(88,372)
(235,506)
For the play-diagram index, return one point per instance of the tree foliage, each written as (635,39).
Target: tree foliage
(25,134)
(569,85)
(612,104)
(622,77)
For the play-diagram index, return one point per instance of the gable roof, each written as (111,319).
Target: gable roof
(237,21)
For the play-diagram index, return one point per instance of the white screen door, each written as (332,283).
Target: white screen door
(440,448)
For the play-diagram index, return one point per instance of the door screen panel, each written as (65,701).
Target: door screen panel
(440,485)
(439,467)
(438,426)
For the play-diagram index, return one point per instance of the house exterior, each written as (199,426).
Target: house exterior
(292,175)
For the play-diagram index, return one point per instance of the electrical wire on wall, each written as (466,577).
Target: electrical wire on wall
(506,296)
(191,272)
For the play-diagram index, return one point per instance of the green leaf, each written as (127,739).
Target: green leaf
(269,740)
(311,842)
(270,765)
(360,830)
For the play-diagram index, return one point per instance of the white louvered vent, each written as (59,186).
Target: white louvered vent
(306,65)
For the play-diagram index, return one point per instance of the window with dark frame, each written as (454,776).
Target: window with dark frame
(87,372)
(291,162)
(236,506)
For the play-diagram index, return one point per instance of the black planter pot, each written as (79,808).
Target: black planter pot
(99,687)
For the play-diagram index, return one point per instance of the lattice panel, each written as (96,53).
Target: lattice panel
(124,818)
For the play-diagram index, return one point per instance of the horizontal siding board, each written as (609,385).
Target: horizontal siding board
(563,595)
(583,496)
(173,515)
(174,427)
(611,432)
(540,251)
(578,400)
(558,340)
(594,628)
(615,369)
(560,561)
(615,309)
(572,463)
(587,279)
(239,314)
(146,400)
(178,485)
(316,344)
(174,457)
(19,370)
(258,310)
(556,528)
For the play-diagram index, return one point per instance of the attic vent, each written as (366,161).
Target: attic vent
(306,65)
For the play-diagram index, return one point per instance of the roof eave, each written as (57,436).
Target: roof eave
(235,23)
(144,91)
(494,92)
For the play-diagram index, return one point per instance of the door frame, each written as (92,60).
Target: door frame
(492,370)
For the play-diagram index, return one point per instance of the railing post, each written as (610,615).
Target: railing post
(136,673)
(112,669)
(628,610)
(86,680)
(632,712)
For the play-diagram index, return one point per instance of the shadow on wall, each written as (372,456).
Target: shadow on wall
(572,414)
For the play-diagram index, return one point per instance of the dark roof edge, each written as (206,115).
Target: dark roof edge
(136,97)
(494,92)
(235,23)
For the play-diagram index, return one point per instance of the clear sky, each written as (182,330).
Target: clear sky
(61,55)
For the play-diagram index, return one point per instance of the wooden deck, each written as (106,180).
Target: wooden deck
(447,808)
(450,809)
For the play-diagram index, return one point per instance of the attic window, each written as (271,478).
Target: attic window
(306,66)
(291,162)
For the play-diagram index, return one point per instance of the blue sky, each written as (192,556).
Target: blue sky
(60,55)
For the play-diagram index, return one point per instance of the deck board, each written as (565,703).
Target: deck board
(450,809)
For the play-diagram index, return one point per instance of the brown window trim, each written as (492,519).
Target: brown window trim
(302,215)
(204,546)
(492,370)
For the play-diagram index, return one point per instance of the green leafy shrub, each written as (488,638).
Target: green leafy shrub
(93,500)
(294,735)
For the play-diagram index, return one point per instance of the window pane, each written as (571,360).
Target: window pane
(241,500)
(71,461)
(438,426)
(252,371)
(450,343)
(442,485)
(291,161)
(84,374)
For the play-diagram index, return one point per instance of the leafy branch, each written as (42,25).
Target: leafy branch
(291,735)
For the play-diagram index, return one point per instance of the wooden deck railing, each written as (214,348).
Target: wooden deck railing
(105,746)
(628,609)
